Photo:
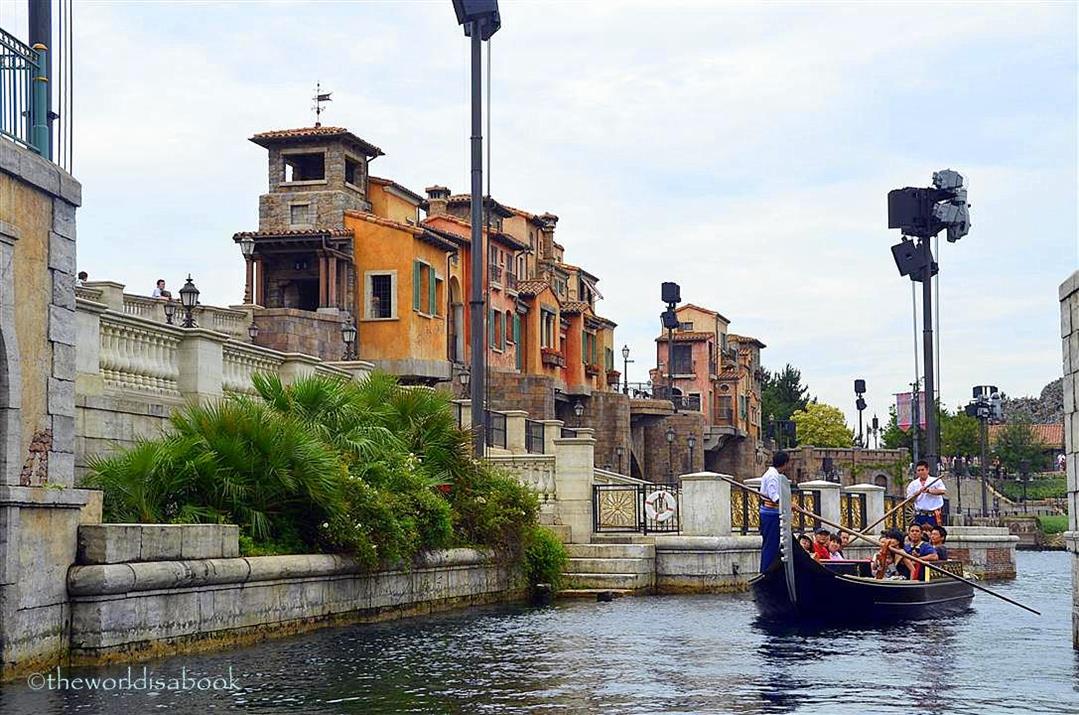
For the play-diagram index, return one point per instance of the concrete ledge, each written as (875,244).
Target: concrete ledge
(123,543)
(61,498)
(706,564)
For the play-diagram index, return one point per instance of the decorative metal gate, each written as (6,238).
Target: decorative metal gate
(636,508)
(852,511)
(745,510)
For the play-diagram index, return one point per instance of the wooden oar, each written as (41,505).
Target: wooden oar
(902,553)
(899,506)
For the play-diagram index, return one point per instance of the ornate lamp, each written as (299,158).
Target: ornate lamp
(253,331)
(348,334)
(578,409)
(170,311)
(692,442)
(189,298)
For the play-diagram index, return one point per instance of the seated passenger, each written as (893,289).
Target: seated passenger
(844,540)
(885,563)
(937,536)
(916,547)
(820,546)
(835,548)
(806,543)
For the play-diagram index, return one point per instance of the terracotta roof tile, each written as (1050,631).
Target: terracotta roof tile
(686,336)
(338,231)
(531,287)
(1050,435)
(273,136)
(575,306)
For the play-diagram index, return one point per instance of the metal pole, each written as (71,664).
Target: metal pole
(625,375)
(670,368)
(478,380)
(916,418)
(928,362)
(985,463)
(40,32)
(860,443)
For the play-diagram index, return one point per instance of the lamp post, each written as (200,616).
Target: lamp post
(170,310)
(189,298)
(619,451)
(859,404)
(578,410)
(247,248)
(875,429)
(984,406)
(625,369)
(348,335)
(692,442)
(671,294)
(481,20)
(1024,475)
(670,454)
(253,331)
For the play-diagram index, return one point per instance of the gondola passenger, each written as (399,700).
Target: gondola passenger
(835,548)
(820,545)
(769,511)
(937,536)
(806,543)
(885,563)
(916,547)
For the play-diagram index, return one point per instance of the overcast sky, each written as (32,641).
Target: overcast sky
(742,150)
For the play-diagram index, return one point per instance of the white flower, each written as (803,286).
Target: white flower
(325,525)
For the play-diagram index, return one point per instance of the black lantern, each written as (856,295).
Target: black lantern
(625,369)
(620,451)
(189,298)
(669,434)
(692,442)
(253,331)
(247,246)
(348,334)
(170,310)
(578,409)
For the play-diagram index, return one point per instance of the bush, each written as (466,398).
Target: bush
(493,509)
(1038,488)
(1055,524)
(545,557)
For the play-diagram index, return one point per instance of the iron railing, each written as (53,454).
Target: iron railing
(511,281)
(636,508)
(852,511)
(23,94)
(496,429)
(533,437)
(745,510)
(496,273)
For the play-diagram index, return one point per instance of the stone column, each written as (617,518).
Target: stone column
(705,505)
(112,294)
(260,282)
(249,280)
(295,366)
(1069,334)
(466,414)
(515,431)
(88,379)
(201,364)
(829,499)
(874,502)
(552,430)
(574,470)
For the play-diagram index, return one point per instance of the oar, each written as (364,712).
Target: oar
(899,506)
(928,564)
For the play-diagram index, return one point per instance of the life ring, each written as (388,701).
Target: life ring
(660,505)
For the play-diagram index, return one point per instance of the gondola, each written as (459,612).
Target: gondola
(798,588)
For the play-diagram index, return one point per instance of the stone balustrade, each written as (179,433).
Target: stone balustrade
(536,471)
(136,354)
(240,362)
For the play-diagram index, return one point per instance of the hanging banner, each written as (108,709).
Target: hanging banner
(902,410)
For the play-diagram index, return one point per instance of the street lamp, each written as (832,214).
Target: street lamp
(348,334)
(247,248)
(619,451)
(253,331)
(772,429)
(984,406)
(692,442)
(669,434)
(671,294)
(189,298)
(170,310)
(859,404)
(578,409)
(625,369)
(875,429)
(481,20)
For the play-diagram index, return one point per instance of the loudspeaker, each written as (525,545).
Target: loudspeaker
(859,387)
(671,293)
(670,320)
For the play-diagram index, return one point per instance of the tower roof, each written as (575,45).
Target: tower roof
(305,135)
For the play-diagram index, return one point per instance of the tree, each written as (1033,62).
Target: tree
(959,434)
(782,393)
(1016,442)
(822,425)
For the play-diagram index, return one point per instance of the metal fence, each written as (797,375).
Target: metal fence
(23,94)
(496,429)
(852,511)
(897,520)
(533,437)
(745,510)
(636,508)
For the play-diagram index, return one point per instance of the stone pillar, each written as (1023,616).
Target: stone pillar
(574,470)
(1069,335)
(466,414)
(112,294)
(874,502)
(552,430)
(829,499)
(295,366)
(260,282)
(705,505)
(249,280)
(515,431)
(323,270)
(359,369)
(88,379)
(201,364)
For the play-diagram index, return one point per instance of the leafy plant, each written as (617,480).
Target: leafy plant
(822,425)
(545,557)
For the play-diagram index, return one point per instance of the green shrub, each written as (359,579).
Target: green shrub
(1056,524)
(545,557)
(493,509)
(1038,488)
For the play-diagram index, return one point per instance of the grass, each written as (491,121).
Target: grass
(1039,488)
(1055,524)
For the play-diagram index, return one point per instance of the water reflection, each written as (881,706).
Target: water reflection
(688,654)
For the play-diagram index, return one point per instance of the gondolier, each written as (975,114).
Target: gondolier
(769,491)
(929,503)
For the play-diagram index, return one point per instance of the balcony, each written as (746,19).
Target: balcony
(682,369)
(613,377)
(725,416)
(495,273)
(511,281)
(552,358)
(687,403)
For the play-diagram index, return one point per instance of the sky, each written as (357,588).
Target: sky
(742,150)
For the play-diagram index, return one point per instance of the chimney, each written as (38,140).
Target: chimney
(437,198)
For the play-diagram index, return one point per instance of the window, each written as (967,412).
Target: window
(588,348)
(608,358)
(380,296)
(510,335)
(547,328)
(353,172)
(683,360)
(519,349)
(742,406)
(304,167)
(497,332)
(685,326)
(299,214)
(425,288)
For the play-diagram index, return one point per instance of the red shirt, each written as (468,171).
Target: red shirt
(820,552)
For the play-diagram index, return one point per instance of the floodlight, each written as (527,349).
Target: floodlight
(481,12)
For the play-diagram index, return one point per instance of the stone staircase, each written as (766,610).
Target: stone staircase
(620,568)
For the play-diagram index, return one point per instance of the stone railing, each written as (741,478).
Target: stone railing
(240,362)
(534,471)
(139,355)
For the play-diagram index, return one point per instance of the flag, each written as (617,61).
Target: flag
(902,410)
(323,97)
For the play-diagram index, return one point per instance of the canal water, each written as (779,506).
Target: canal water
(664,654)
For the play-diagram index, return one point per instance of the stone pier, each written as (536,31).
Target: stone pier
(1069,334)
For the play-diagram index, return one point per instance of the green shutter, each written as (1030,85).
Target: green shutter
(517,338)
(432,293)
(502,324)
(417,272)
(584,347)
(491,327)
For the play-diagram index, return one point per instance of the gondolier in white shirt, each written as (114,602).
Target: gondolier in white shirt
(929,505)
(769,491)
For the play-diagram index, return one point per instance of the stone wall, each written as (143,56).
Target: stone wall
(532,393)
(124,609)
(289,330)
(851,466)
(607,413)
(1069,334)
(739,457)
(653,447)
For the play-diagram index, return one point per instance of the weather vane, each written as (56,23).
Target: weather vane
(319,98)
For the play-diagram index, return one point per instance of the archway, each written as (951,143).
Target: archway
(881,480)
(455,329)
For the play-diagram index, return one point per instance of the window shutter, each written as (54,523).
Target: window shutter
(502,333)
(491,327)
(432,293)
(417,271)
(517,338)
(584,347)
